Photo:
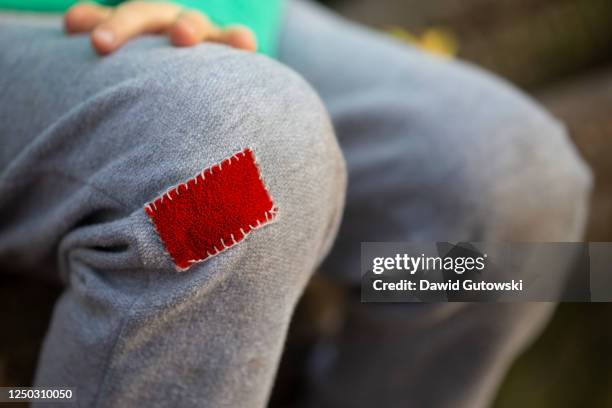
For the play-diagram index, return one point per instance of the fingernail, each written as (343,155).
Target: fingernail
(104,36)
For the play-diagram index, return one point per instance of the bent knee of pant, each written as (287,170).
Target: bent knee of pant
(517,173)
(534,186)
(539,185)
(547,196)
(192,113)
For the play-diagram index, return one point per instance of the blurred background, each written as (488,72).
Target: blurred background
(560,51)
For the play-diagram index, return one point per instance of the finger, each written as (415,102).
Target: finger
(85,17)
(239,37)
(191,28)
(130,20)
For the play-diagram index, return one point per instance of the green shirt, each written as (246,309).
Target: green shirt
(261,16)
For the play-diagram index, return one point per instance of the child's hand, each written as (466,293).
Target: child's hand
(111,27)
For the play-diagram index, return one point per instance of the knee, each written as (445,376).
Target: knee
(513,171)
(195,110)
(539,187)
(533,182)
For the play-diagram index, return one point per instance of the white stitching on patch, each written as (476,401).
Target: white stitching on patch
(270,215)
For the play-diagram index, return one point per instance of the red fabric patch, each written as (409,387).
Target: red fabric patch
(212,211)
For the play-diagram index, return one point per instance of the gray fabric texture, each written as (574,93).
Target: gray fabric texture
(434,150)
(86,142)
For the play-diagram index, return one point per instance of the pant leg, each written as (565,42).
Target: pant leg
(87,141)
(435,150)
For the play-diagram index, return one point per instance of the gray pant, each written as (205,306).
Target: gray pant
(434,150)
